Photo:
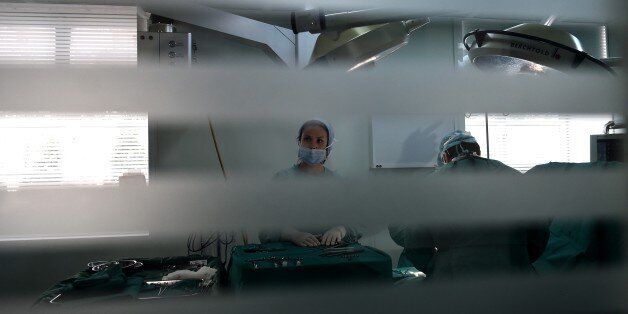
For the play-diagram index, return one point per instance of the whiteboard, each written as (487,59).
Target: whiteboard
(408,141)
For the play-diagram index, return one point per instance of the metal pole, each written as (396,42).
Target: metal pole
(211,130)
(488,149)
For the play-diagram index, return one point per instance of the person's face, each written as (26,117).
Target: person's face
(446,158)
(314,137)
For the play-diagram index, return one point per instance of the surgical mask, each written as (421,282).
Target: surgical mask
(312,156)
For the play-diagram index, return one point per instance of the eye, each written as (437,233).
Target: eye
(320,141)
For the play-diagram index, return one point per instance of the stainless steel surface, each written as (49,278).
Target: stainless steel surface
(317,21)
(307,21)
(531,49)
(164,282)
(175,49)
(97,266)
(360,46)
(548,32)
(275,41)
(147,48)
(171,49)
(612,125)
(161,28)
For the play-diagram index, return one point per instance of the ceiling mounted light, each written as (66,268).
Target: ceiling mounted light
(530,48)
(354,39)
(357,47)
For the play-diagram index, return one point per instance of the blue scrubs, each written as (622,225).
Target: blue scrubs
(292,173)
(454,251)
(584,243)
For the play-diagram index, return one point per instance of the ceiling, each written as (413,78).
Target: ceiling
(275,17)
(277,12)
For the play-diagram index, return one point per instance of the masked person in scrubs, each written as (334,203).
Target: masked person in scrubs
(459,151)
(315,139)
(452,251)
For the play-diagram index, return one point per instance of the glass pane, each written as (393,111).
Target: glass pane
(71,149)
(525,140)
(27,44)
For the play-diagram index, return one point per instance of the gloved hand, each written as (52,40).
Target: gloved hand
(333,235)
(304,239)
(205,274)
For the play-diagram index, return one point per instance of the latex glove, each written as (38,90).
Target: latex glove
(333,235)
(205,274)
(304,239)
(180,275)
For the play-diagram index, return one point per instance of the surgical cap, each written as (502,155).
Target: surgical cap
(453,139)
(331,139)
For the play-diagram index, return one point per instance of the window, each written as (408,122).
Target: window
(523,141)
(30,44)
(67,34)
(71,149)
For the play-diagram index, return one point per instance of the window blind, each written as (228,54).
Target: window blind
(71,149)
(67,34)
(525,140)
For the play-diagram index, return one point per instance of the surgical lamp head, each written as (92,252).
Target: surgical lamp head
(530,48)
(357,47)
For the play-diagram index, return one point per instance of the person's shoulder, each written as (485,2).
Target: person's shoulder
(568,166)
(294,172)
(332,173)
(502,167)
(550,166)
(476,164)
(442,168)
(286,173)
(497,164)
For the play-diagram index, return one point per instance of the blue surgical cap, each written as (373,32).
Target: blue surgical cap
(453,139)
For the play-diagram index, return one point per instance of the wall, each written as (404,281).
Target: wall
(178,147)
(429,47)
(187,147)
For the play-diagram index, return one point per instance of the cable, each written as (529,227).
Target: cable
(228,240)
(203,245)
(284,35)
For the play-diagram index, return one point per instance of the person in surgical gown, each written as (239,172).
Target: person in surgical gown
(315,140)
(580,243)
(454,251)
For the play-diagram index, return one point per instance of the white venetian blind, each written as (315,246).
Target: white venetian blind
(71,149)
(70,34)
(525,140)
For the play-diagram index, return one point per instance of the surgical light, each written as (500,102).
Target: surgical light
(354,39)
(530,48)
(357,47)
